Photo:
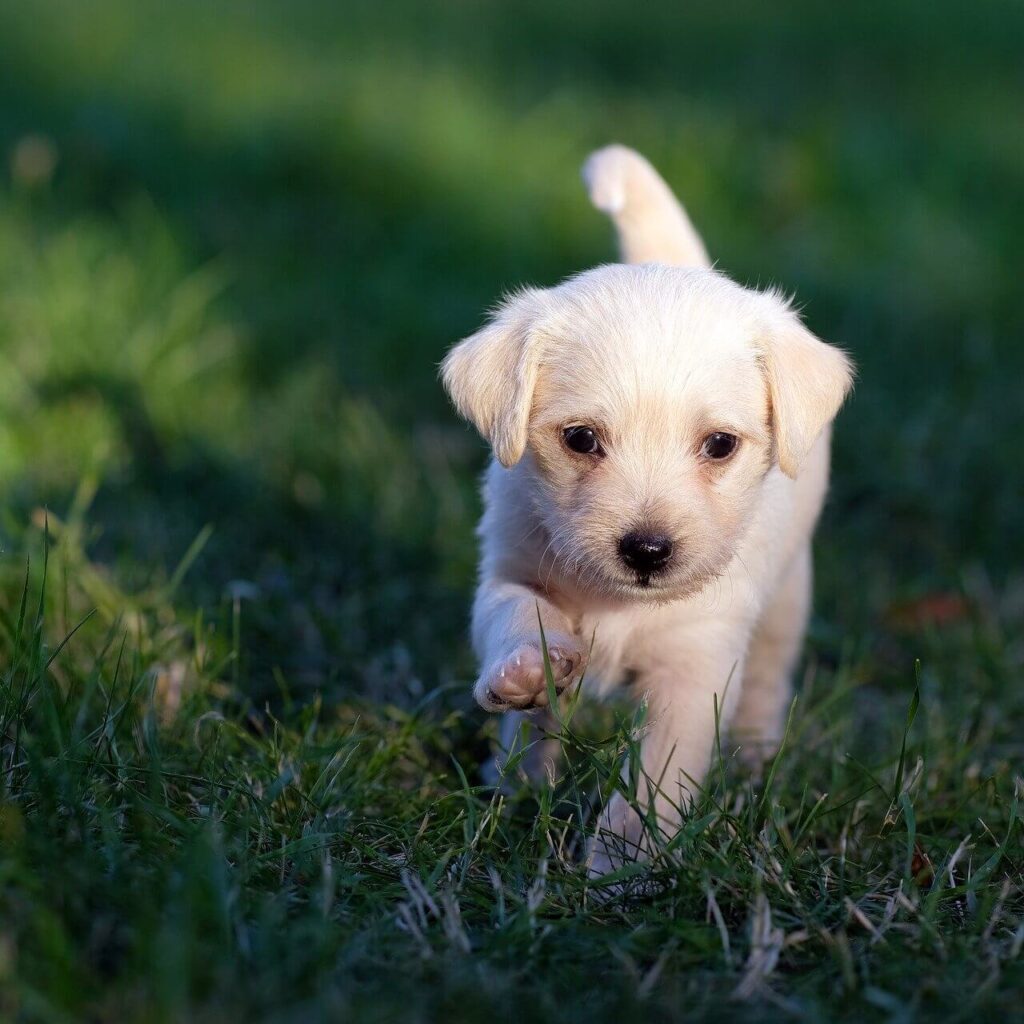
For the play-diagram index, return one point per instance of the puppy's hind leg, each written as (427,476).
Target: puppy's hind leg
(768,680)
(529,731)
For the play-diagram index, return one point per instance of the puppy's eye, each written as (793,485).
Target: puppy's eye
(719,446)
(582,440)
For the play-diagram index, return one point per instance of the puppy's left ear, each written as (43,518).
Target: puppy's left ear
(807,382)
(491,375)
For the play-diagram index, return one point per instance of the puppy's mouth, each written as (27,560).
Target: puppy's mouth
(639,588)
(677,579)
(598,576)
(652,582)
(659,590)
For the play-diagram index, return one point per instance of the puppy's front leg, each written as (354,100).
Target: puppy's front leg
(676,747)
(506,637)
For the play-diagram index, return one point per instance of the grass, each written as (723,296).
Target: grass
(238,754)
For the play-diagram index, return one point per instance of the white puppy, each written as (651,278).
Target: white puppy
(661,450)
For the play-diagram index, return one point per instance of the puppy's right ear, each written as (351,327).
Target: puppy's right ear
(491,375)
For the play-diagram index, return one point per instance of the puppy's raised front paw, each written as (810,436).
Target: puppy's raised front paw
(516,680)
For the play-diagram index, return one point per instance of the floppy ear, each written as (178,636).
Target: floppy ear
(491,375)
(807,382)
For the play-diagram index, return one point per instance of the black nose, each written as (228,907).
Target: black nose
(645,552)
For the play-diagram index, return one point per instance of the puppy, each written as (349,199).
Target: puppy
(661,453)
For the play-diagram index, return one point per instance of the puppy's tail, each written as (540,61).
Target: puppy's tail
(652,225)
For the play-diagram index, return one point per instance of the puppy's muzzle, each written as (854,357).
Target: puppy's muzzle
(645,553)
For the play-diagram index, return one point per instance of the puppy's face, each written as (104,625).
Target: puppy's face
(649,430)
(650,404)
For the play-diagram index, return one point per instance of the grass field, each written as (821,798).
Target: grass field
(238,757)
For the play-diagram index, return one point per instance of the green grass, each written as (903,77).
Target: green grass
(238,757)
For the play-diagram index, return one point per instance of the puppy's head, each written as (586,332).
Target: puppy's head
(647,404)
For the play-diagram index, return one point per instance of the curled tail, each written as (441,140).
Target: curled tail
(652,225)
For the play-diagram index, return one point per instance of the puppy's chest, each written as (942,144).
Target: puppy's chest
(611,640)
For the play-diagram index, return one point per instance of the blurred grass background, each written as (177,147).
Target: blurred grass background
(237,238)
(267,222)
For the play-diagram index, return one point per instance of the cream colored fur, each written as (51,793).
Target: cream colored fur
(654,358)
